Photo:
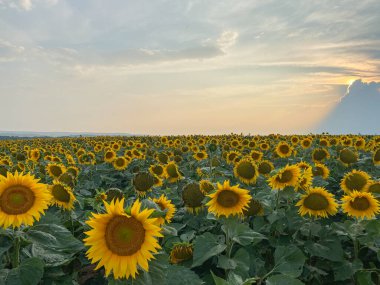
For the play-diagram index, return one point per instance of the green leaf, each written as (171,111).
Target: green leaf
(218,280)
(282,280)
(30,272)
(205,247)
(241,233)
(331,250)
(5,244)
(181,275)
(226,263)
(242,260)
(364,278)
(289,260)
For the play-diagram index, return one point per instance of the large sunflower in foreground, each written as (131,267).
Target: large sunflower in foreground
(317,202)
(62,195)
(287,176)
(22,200)
(228,200)
(122,242)
(246,171)
(360,205)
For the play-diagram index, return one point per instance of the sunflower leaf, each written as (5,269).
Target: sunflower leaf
(205,247)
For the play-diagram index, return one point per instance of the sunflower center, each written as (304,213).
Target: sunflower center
(356,181)
(347,156)
(120,162)
(316,202)
(60,193)
(265,168)
(246,170)
(16,200)
(124,235)
(56,170)
(228,198)
(377,156)
(374,188)
(143,182)
(158,170)
(360,203)
(284,148)
(319,154)
(285,177)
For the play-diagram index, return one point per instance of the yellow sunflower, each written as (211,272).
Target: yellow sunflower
(265,167)
(287,176)
(120,163)
(55,170)
(283,149)
(246,171)
(62,195)
(172,173)
(157,169)
(373,187)
(200,155)
(305,180)
(109,156)
(320,154)
(165,204)
(317,202)
(376,157)
(22,200)
(321,170)
(347,156)
(231,156)
(306,143)
(360,205)
(120,242)
(355,180)
(256,155)
(228,200)
(143,183)
(206,187)
(34,154)
(255,208)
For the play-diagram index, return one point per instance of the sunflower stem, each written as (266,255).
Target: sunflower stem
(16,251)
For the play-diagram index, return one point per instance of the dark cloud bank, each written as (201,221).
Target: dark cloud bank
(358,112)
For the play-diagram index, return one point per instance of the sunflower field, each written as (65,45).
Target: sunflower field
(231,209)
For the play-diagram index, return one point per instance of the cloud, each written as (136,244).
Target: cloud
(227,39)
(26,4)
(357,111)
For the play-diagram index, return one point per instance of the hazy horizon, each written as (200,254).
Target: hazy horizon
(189,67)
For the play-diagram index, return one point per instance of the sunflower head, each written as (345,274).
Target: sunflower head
(120,163)
(256,155)
(376,157)
(255,208)
(321,170)
(317,202)
(246,171)
(347,156)
(206,187)
(373,187)
(265,167)
(165,205)
(228,200)
(200,155)
(192,197)
(55,170)
(143,182)
(121,242)
(172,173)
(67,178)
(360,205)
(283,149)
(287,176)
(320,154)
(22,200)
(181,252)
(109,155)
(355,180)
(62,195)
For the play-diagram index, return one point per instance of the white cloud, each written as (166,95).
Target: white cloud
(26,4)
(227,39)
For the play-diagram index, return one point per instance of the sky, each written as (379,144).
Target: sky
(188,67)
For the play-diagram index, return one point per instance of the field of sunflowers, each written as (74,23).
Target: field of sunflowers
(231,209)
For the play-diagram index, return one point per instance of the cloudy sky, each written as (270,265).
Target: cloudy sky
(182,67)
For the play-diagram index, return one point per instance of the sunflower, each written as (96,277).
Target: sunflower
(73,170)
(62,195)
(22,200)
(143,183)
(192,197)
(181,252)
(120,163)
(283,149)
(172,173)
(355,180)
(120,242)
(373,187)
(206,187)
(109,155)
(55,170)
(287,176)
(157,169)
(67,178)
(256,155)
(201,155)
(228,200)
(246,171)
(347,156)
(305,180)
(165,205)
(376,157)
(320,154)
(306,143)
(265,167)
(321,170)
(317,202)
(360,205)
(231,156)
(255,208)
(35,154)
(162,157)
